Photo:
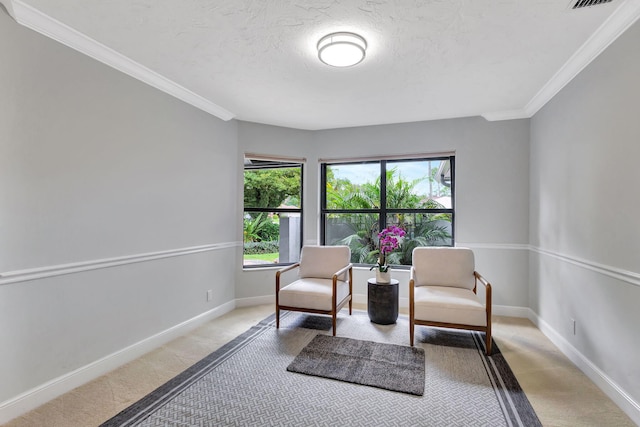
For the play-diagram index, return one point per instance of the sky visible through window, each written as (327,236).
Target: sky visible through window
(369,172)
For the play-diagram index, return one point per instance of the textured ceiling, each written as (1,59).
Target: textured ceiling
(257,60)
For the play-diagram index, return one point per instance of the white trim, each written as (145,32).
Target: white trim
(38,396)
(76,267)
(34,19)
(510,311)
(627,276)
(621,19)
(618,22)
(262,267)
(362,299)
(608,270)
(499,246)
(495,116)
(606,384)
(251,301)
(630,277)
(403,302)
(9,6)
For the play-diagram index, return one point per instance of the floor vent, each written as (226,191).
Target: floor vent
(586,3)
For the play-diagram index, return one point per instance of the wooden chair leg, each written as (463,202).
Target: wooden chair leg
(333,319)
(412,308)
(277,317)
(411,328)
(488,341)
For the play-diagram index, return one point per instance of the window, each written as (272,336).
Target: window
(361,198)
(272,222)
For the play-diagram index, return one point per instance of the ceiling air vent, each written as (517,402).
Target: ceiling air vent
(586,3)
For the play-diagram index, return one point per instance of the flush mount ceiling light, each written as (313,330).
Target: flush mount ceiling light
(341,49)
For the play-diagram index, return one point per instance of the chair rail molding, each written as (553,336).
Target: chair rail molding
(630,277)
(512,246)
(77,267)
(627,276)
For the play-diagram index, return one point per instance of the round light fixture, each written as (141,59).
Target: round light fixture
(341,49)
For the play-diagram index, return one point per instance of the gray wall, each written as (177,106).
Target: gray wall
(584,211)
(257,285)
(95,165)
(492,183)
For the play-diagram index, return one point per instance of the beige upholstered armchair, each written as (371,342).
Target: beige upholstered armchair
(442,292)
(324,284)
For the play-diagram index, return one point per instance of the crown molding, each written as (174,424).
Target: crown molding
(9,8)
(495,116)
(34,19)
(619,21)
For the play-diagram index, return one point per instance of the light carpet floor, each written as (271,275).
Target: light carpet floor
(246,383)
(560,394)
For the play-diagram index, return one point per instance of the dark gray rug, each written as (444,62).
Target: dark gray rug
(387,366)
(245,383)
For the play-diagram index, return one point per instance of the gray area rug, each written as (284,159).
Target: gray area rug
(387,366)
(245,383)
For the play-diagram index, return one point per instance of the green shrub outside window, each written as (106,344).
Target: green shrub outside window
(361,198)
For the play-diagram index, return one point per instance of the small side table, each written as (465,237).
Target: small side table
(382,301)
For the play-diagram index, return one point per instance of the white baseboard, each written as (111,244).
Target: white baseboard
(40,395)
(362,299)
(498,310)
(403,302)
(248,302)
(606,384)
(510,311)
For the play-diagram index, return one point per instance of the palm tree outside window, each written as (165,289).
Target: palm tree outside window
(361,198)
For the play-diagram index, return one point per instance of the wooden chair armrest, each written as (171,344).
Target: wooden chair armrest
(284,270)
(486,284)
(481,279)
(288,267)
(412,276)
(342,270)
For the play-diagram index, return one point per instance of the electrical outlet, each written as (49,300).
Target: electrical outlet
(573,326)
(209,295)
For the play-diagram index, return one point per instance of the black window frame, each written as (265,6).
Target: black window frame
(257,163)
(383,211)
